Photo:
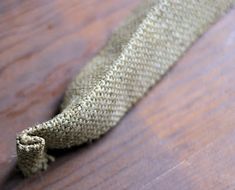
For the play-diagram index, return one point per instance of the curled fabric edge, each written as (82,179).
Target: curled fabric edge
(138,54)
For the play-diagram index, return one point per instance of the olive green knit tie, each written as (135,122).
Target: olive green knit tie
(134,59)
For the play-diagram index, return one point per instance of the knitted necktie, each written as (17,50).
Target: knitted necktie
(138,54)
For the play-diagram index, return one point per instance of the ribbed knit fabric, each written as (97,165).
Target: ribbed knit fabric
(134,59)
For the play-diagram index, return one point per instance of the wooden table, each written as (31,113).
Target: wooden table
(181,136)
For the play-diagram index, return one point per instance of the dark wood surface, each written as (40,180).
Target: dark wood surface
(181,136)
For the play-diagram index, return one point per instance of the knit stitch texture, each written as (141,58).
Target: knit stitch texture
(138,54)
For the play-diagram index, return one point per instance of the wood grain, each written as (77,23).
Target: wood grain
(181,136)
